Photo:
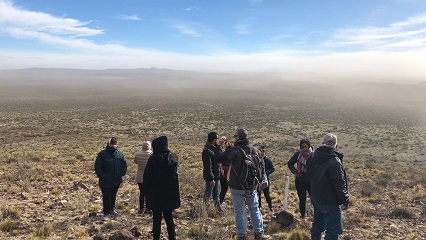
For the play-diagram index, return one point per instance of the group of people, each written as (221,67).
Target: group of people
(157,178)
(318,172)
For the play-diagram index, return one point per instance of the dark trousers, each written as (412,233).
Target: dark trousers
(156,225)
(108,199)
(141,196)
(302,188)
(223,188)
(267,197)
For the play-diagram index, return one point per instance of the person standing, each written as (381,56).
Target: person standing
(211,171)
(141,159)
(161,185)
(240,196)
(223,175)
(269,168)
(110,167)
(302,182)
(329,191)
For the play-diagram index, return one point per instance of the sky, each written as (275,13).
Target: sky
(365,39)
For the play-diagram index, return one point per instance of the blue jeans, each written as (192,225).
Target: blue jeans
(327,218)
(239,199)
(213,191)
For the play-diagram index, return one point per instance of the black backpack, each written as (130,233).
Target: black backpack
(252,170)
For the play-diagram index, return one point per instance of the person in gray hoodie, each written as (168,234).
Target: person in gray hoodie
(161,185)
(141,159)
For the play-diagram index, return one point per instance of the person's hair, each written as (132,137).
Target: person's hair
(304,141)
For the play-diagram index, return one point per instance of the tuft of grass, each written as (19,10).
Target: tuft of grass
(194,231)
(9,212)
(43,231)
(299,234)
(8,225)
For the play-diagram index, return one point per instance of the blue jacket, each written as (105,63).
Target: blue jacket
(110,167)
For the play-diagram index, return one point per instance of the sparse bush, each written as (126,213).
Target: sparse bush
(383,179)
(367,189)
(9,212)
(43,231)
(274,227)
(402,212)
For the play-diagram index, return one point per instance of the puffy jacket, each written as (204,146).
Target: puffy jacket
(235,157)
(211,168)
(327,177)
(160,179)
(110,167)
(141,159)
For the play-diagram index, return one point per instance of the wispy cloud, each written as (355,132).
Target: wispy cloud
(13,18)
(255,2)
(191,8)
(129,17)
(242,28)
(186,29)
(410,33)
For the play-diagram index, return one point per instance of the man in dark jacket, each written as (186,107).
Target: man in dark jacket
(211,170)
(329,192)
(240,195)
(110,167)
(161,185)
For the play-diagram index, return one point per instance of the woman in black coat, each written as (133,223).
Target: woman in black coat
(161,184)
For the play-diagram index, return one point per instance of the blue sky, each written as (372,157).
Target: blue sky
(375,39)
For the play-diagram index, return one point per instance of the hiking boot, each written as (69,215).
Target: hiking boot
(261,236)
(105,217)
(114,213)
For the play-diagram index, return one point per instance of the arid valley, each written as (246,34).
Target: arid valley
(52,127)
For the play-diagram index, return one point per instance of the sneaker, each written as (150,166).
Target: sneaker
(140,211)
(114,213)
(148,211)
(261,236)
(242,238)
(105,217)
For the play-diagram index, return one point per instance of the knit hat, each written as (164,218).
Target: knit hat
(330,140)
(146,145)
(212,136)
(241,133)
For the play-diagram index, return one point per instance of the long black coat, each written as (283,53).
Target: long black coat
(160,178)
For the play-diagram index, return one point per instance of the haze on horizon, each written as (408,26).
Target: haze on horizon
(381,41)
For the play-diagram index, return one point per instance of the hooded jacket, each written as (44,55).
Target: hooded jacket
(235,157)
(141,159)
(327,177)
(110,166)
(211,168)
(160,178)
